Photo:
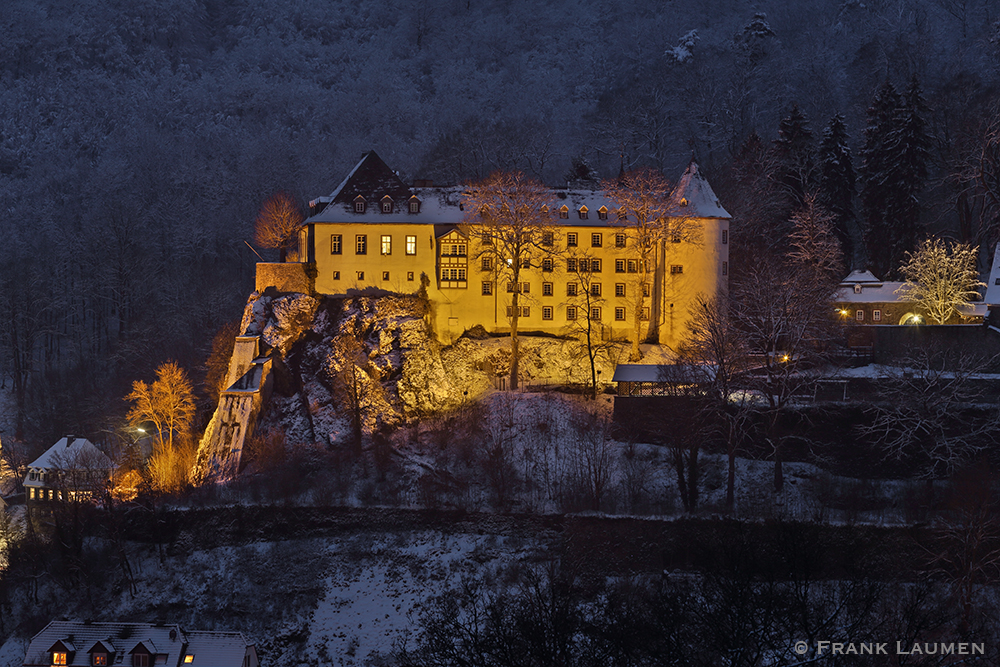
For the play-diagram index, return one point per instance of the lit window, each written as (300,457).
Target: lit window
(564,212)
(571,265)
(409,276)
(385,275)
(336,275)
(595,240)
(411,245)
(547,238)
(570,312)
(58,658)
(487,289)
(602,213)
(99,659)
(583,212)
(619,314)
(876,316)
(547,264)
(361,275)
(487,263)
(595,314)
(859,316)
(676,268)
(386,245)
(619,240)
(595,289)
(189,658)
(619,289)
(570,289)
(546,312)
(361,244)
(571,240)
(336,244)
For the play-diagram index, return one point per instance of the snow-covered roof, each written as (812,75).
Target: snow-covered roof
(871,293)
(70,451)
(857,276)
(993,284)
(694,196)
(208,649)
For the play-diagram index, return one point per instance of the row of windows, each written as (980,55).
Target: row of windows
(573,313)
(572,289)
(386,204)
(361,244)
(100,659)
(360,275)
(876,316)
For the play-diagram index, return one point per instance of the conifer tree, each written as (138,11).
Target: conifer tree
(795,154)
(837,183)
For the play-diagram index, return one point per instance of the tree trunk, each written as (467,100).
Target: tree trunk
(515,352)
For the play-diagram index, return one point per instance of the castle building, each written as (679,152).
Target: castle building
(375,234)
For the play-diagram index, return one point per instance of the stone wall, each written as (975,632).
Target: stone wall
(285,277)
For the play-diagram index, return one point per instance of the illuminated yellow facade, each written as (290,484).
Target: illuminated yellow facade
(373,235)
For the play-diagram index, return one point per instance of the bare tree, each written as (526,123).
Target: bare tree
(587,301)
(168,403)
(508,212)
(277,224)
(940,279)
(595,457)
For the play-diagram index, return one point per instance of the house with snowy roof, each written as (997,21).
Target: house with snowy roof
(862,298)
(87,644)
(375,234)
(73,469)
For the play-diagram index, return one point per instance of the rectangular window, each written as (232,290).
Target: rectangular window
(570,312)
(595,314)
(595,240)
(414,207)
(359,207)
(386,245)
(510,288)
(675,237)
(725,268)
(546,289)
(140,660)
(487,289)
(584,265)
(58,658)
(571,240)
(645,290)
(336,244)
(361,275)
(361,244)
(526,263)
(387,207)
(189,658)
(725,236)
(619,314)
(336,275)
(633,266)
(876,316)
(644,314)
(546,312)
(595,266)
(411,245)
(547,264)
(525,288)
(99,659)
(595,289)
(487,264)
(619,266)
(676,268)
(547,238)
(619,240)
(461,274)
(487,238)
(860,316)
(571,265)
(523,311)
(385,275)
(619,289)
(570,289)
(409,276)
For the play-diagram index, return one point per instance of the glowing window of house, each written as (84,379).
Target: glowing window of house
(570,289)
(570,312)
(583,212)
(411,245)
(564,212)
(189,658)
(336,244)
(547,289)
(595,289)
(876,316)
(58,657)
(548,238)
(386,245)
(385,275)
(645,290)
(571,240)
(409,276)
(619,314)
(99,659)
(602,213)
(596,241)
(546,312)
(595,314)
(619,240)
(547,264)
(595,266)
(644,313)
(361,244)
(571,265)
(487,263)
(31,493)
(487,289)
(725,236)
(619,289)
(386,204)
(360,204)
(361,275)
(676,268)
(414,205)
(619,266)
(859,316)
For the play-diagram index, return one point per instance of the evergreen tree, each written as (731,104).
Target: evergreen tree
(894,170)
(837,183)
(795,154)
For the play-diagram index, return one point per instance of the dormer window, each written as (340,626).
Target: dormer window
(545,209)
(583,212)
(140,660)
(360,204)
(564,212)
(684,201)
(387,204)
(622,214)
(414,205)
(99,659)
(857,289)
(602,213)
(59,657)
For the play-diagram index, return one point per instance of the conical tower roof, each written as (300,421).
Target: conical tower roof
(694,196)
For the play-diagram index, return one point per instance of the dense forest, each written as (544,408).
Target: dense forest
(139,138)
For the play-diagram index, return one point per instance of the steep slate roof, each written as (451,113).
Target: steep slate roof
(210,649)
(70,450)
(372,179)
(701,200)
